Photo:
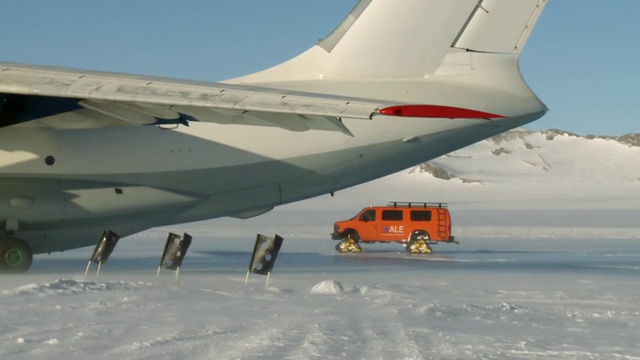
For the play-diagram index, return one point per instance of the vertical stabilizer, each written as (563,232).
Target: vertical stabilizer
(392,38)
(379,39)
(461,53)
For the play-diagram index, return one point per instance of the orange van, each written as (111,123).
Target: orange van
(416,224)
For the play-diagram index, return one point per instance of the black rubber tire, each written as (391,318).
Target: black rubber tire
(15,256)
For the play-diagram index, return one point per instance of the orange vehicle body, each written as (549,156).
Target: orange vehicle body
(397,222)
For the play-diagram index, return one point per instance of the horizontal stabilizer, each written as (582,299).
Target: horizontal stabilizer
(500,26)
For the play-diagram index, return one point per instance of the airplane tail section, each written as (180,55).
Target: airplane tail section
(499,26)
(383,39)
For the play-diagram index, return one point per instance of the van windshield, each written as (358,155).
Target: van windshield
(369,215)
(358,213)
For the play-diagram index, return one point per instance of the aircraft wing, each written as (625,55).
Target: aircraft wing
(69,98)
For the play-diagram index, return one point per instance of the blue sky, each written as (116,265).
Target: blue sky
(582,60)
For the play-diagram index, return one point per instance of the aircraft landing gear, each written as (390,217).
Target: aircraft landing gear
(15,256)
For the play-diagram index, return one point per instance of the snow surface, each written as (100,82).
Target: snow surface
(548,267)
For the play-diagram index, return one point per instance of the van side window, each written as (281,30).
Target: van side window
(420,215)
(391,214)
(369,215)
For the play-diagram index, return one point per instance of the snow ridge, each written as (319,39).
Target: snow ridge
(73,287)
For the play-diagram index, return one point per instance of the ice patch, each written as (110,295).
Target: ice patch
(327,287)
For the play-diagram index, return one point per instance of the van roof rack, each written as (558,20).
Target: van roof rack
(412,204)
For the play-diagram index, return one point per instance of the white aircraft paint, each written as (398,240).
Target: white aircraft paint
(84,151)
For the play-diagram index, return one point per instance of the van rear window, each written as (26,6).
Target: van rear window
(420,215)
(391,214)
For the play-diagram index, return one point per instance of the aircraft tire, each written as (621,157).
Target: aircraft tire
(15,256)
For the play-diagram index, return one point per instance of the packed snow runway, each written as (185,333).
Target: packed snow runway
(487,298)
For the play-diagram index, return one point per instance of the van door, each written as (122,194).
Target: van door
(368,225)
(392,226)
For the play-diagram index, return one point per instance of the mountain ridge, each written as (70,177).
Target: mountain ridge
(517,170)
(532,148)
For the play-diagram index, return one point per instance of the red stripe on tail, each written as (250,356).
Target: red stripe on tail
(437,111)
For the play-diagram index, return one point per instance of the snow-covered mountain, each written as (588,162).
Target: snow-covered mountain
(519,169)
(541,156)
(543,166)
(520,178)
